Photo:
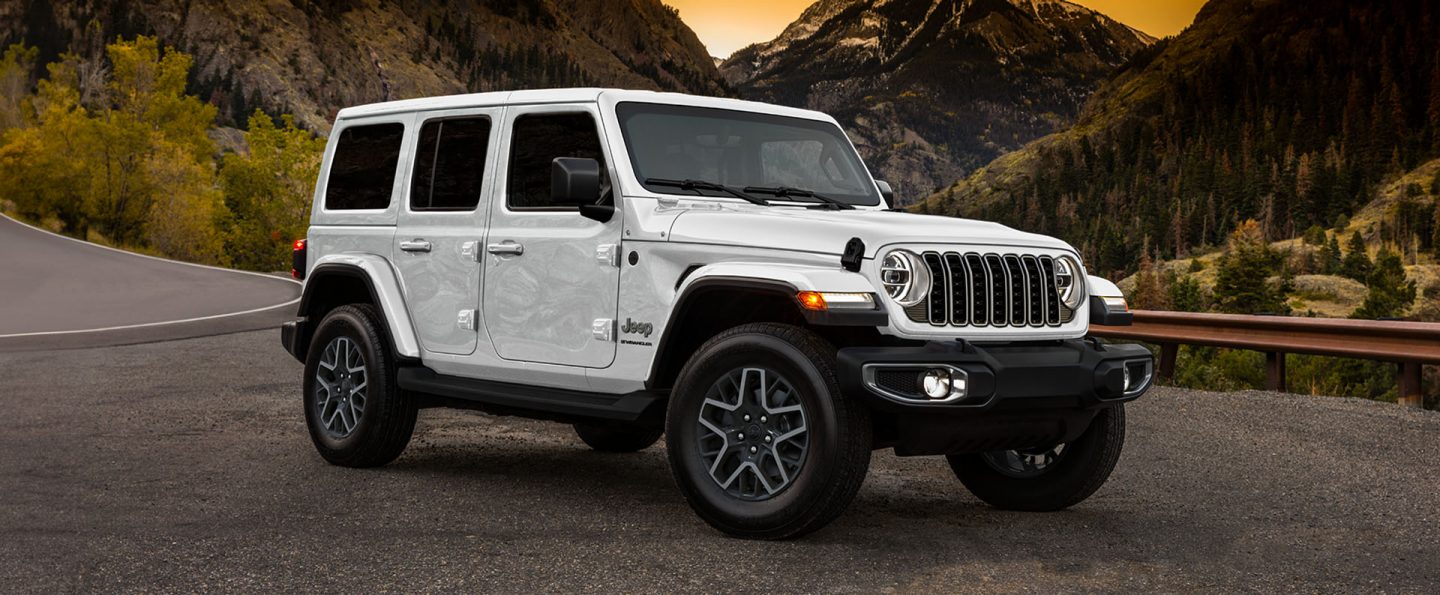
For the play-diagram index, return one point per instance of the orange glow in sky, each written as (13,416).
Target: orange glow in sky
(728,25)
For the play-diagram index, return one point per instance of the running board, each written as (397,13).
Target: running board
(531,401)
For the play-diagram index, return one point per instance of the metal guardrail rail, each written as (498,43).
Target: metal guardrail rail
(1410,345)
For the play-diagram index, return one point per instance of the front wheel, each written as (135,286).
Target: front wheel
(761,441)
(1046,478)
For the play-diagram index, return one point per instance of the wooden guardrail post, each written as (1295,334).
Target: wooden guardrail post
(1409,384)
(1275,371)
(1168,351)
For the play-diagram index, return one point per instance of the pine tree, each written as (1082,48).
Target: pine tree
(1243,284)
(1357,263)
(1435,228)
(1391,293)
(1186,295)
(1151,291)
(1330,262)
(1433,112)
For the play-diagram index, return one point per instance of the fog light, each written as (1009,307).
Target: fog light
(939,384)
(1137,375)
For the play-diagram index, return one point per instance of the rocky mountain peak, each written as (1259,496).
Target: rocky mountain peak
(931,89)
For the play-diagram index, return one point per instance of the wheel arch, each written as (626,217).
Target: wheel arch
(710,299)
(349,279)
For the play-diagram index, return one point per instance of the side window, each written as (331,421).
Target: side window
(449,164)
(535,142)
(362,173)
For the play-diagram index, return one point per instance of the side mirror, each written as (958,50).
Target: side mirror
(886,193)
(576,181)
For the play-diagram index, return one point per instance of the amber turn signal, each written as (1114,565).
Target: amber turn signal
(812,300)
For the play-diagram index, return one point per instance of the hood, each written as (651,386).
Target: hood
(811,230)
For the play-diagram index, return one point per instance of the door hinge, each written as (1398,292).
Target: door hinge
(603,329)
(470,251)
(466,320)
(608,254)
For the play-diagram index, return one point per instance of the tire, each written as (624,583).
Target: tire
(382,417)
(618,438)
(1082,467)
(810,476)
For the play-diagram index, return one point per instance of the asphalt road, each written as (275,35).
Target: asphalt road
(52,286)
(184,466)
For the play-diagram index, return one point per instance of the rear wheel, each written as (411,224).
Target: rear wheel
(1046,478)
(356,414)
(761,441)
(617,437)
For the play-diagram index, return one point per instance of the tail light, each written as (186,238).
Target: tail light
(297,260)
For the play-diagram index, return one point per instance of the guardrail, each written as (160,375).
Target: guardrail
(1410,345)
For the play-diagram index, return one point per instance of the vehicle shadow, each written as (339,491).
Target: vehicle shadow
(911,509)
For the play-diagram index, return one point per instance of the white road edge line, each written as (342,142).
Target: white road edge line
(148,324)
(138,255)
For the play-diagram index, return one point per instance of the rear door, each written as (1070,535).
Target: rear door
(437,248)
(551,275)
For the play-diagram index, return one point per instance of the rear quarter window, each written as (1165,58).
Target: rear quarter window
(362,172)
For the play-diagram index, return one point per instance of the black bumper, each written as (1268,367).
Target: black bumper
(292,337)
(1017,394)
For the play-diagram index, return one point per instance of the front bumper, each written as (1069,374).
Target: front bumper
(1017,394)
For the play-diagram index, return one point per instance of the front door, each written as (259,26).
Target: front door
(551,275)
(438,242)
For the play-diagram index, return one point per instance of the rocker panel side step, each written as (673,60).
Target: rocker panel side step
(531,401)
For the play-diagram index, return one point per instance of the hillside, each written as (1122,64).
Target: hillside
(1400,209)
(1259,110)
(932,89)
(311,57)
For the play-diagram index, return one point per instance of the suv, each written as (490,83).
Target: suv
(723,273)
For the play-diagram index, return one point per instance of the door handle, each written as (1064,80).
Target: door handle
(415,245)
(507,247)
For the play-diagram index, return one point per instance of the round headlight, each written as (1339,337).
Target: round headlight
(1069,282)
(905,277)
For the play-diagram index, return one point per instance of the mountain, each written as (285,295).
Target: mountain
(312,57)
(932,89)
(1260,110)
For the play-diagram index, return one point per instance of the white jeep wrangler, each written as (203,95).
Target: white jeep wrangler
(723,273)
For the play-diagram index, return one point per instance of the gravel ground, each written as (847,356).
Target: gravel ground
(185,466)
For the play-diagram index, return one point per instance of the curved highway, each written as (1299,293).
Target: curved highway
(57,292)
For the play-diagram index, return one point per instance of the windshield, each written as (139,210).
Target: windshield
(741,150)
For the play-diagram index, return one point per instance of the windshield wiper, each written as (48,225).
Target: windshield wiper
(698,185)
(787,192)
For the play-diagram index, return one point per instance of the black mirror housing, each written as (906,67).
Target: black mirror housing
(574,181)
(886,193)
(601,213)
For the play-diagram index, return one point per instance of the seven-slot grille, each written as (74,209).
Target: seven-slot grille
(996,290)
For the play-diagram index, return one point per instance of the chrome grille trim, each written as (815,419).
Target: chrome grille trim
(959,282)
(938,303)
(974,289)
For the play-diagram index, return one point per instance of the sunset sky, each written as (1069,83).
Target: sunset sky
(732,24)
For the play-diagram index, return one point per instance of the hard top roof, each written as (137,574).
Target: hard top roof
(573,95)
